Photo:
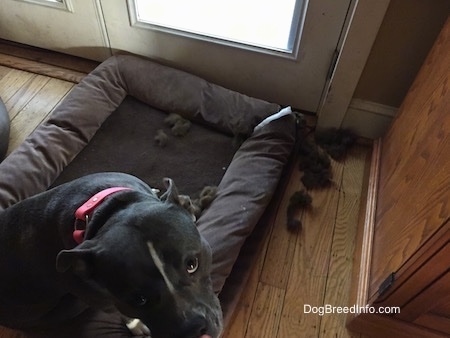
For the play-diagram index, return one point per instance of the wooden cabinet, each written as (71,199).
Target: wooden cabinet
(403,256)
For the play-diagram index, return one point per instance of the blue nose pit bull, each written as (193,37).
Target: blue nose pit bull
(130,252)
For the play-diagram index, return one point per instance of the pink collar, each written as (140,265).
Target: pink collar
(83,213)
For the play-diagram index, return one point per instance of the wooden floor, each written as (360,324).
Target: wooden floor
(312,267)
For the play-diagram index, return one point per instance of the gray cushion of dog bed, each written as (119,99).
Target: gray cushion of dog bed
(4,130)
(125,143)
(108,123)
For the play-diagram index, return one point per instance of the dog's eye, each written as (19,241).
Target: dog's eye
(140,300)
(191,265)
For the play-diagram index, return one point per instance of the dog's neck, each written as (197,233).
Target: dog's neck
(84,212)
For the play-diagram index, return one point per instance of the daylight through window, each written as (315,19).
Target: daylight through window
(268,24)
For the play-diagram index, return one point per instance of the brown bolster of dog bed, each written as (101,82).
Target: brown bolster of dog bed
(4,130)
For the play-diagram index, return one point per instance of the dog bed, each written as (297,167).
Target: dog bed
(4,130)
(109,121)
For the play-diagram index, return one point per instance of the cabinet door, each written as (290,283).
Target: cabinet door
(421,287)
(414,180)
(430,308)
(437,318)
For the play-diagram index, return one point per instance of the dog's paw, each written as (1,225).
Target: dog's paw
(138,328)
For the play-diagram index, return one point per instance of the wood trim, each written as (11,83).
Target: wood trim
(47,56)
(42,69)
(365,20)
(44,62)
(369,225)
(368,119)
(373,107)
(364,241)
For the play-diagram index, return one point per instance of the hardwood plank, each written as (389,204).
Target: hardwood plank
(337,288)
(281,247)
(21,97)
(239,323)
(36,110)
(12,82)
(266,312)
(356,262)
(4,71)
(307,280)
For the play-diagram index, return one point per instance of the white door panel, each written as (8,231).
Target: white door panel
(78,31)
(298,82)
(95,26)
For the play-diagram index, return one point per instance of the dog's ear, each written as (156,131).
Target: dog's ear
(78,260)
(171,194)
(79,263)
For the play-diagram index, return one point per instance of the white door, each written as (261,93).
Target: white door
(295,79)
(70,26)
(96,29)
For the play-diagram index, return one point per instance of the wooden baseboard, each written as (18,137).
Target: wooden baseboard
(44,62)
(365,234)
(368,119)
(369,226)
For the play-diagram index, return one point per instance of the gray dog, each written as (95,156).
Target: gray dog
(107,241)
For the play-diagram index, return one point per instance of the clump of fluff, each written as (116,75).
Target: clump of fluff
(299,200)
(179,125)
(161,138)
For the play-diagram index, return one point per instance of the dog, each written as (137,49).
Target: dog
(107,241)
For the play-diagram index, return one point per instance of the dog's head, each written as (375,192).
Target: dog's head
(149,260)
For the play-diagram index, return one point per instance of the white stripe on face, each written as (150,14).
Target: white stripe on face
(160,265)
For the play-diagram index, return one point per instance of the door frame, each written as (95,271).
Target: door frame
(358,36)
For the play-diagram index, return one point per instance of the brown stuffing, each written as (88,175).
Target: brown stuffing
(315,164)
(336,142)
(207,195)
(299,200)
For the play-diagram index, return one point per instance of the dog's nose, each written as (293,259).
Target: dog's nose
(196,327)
